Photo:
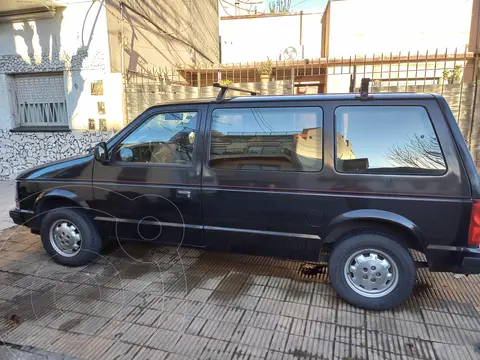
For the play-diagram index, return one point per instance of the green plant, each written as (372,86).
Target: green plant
(265,67)
(453,75)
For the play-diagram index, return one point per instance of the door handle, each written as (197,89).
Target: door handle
(184,194)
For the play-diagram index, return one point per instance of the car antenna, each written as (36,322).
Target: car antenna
(364,89)
(224,88)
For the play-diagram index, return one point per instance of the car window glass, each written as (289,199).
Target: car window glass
(386,139)
(163,139)
(267,139)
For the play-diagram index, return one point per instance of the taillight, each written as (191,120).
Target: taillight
(474,232)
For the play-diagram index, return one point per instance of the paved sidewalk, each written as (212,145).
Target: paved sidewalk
(7,201)
(152,302)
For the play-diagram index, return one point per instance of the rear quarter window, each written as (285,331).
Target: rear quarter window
(386,140)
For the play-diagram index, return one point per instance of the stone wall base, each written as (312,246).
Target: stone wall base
(22,150)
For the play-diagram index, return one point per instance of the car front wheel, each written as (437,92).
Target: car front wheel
(70,236)
(372,271)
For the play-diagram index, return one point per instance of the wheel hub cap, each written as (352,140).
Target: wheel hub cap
(65,238)
(371,273)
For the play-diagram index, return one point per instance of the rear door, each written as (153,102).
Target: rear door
(261,162)
(150,190)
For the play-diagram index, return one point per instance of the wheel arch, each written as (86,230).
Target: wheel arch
(369,218)
(56,198)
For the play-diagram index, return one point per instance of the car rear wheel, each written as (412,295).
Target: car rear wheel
(372,270)
(70,237)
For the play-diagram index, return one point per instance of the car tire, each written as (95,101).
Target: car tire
(70,236)
(372,270)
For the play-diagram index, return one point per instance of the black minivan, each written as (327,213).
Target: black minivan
(366,179)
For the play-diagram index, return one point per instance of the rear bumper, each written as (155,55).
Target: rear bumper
(22,217)
(461,260)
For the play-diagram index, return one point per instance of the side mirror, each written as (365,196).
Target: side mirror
(125,154)
(101,152)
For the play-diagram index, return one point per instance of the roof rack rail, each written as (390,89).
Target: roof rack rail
(224,88)
(364,89)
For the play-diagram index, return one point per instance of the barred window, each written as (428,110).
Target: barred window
(40,100)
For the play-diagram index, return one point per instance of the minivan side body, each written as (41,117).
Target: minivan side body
(291,183)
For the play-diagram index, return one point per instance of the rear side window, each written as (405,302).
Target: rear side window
(386,139)
(267,139)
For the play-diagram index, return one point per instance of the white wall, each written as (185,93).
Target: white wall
(74,42)
(256,38)
(359,27)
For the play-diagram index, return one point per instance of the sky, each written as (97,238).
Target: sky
(296,6)
(308,5)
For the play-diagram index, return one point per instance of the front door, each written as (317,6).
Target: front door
(150,189)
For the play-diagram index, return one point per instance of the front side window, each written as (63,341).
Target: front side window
(163,139)
(267,139)
(386,139)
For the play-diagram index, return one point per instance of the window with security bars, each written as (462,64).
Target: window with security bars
(41,100)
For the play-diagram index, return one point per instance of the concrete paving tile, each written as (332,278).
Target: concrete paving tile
(128,313)
(348,318)
(301,297)
(416,348)
(344,351)
(249,352)
(63,320)
(383,343)
(70,344)
(114,329)
(189,308)
(279,282)
(164,340)
(90,325)
(284,324)
(257,279)
(195,326)
(163,303)
(274,293)
(350,335)
(190,345)
(257,337)
(176,322)
(137,334)
(322,314)
(298,326)
(96,348)
(120,350)
(454,336)
(449,352)
(218,330)
(150,354)
(215,350)
(244,302)
(411,329)
(263,320)
(252,290)
(295,310)
(319,330)
(233,315)
(200,295)
(213,312)
(437,318)
(148,317)
(382,324)
(270,306)
(466,322)
(279,341)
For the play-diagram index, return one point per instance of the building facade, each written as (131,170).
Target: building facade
(62,65)
(277,36)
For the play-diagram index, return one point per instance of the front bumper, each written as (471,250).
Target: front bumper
(22,217)
(456,259)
